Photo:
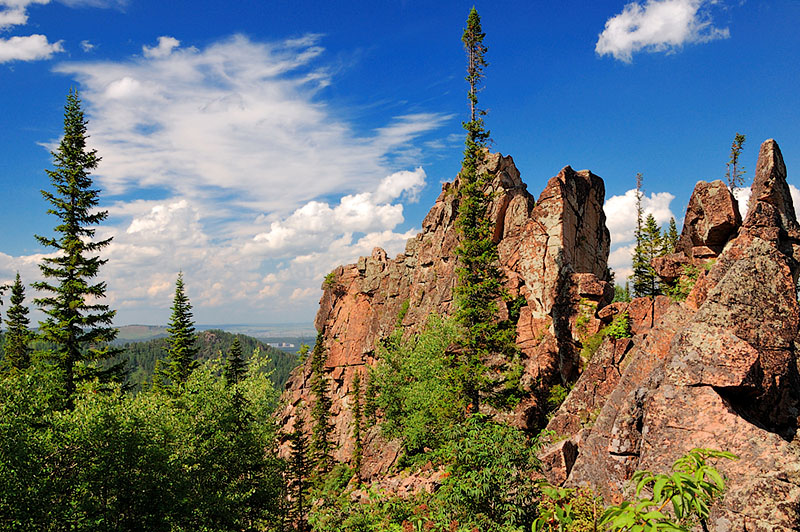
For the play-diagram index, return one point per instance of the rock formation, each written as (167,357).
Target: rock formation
(718,371)
(553,253)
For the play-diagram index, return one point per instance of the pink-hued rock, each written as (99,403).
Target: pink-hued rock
(719,372)
(712,217)
(553,252)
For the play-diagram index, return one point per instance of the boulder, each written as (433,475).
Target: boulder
(712,217)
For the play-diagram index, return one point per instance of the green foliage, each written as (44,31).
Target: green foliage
(675,502)
(683,286)
(489,485)
(401,315)
(620,326)
(321,428)
(418,390)
(329,281)
(671,238)
(78,325)
(567,510)
(235,366)
(181,343)
(298,473)
(621,293)
(735,172)
(480,280)
(149,461)
(141,357)
(649,245)
(556,395)
(357,423)
(18,336)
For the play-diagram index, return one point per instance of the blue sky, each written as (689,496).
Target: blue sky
(256,145)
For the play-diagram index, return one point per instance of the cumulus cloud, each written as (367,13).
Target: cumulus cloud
(87,46)
(261,188)
(658,26)
(28,48)
(163,49)
(621,213)
(621,222)
(742,195)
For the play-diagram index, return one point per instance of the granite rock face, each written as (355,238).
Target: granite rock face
(719,371)
(553,252)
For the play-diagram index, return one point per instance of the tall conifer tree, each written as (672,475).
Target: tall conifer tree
(181,343)
(298,473)
(235,366)
(480,280)
(18,336)
(321,428)
(78,325)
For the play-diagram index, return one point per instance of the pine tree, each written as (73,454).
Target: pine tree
(77,324)
(735,172)
(17,337)
(298,473)
(480,280)
(649,245)
(181,343)
(357,424)
(321,427)
(671,237)
(235,366)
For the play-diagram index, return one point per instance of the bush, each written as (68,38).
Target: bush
(417,388)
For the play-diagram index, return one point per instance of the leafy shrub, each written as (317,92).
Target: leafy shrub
(675,502)
(556,395)
(683,286)
(620,326)
(568,510)
(489,484)
(417,386)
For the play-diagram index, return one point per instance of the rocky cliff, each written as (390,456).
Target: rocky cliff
(716,371)
(553,252)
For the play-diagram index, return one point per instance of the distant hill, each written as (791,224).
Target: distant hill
(139,333)
(142,355)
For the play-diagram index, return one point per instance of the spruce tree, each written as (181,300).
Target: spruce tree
(480,280)
(181,342)
(298,473)
(78,325)
(671,237)
(357,424)
(321,428)
(649,246)
(18,336)
(235,366)
(735,172)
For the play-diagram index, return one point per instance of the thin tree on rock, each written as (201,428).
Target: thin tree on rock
(18,334)
(78,325)
(358,450)
(480,280)
(735,171)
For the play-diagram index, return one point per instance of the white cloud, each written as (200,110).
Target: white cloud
(658,26)
(263,187)
(742,195)
(87,46)
(14,12)
(28,48)
(621,213)
(165,47)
